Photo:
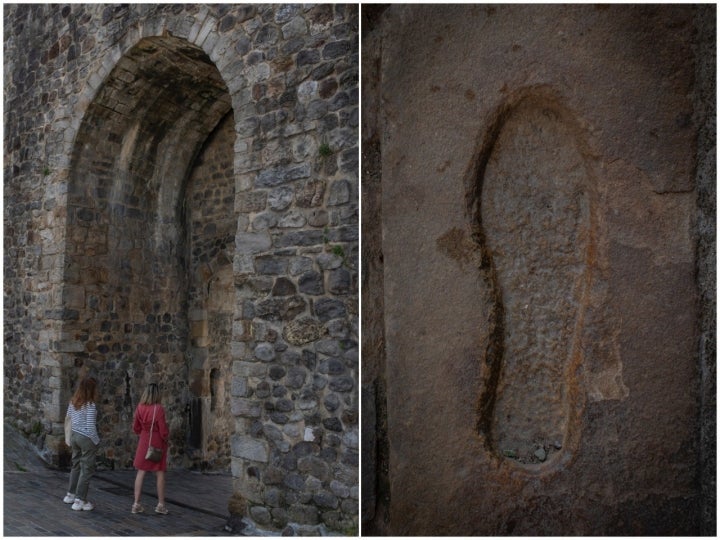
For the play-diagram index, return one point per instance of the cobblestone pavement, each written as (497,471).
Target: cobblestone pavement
(33,506)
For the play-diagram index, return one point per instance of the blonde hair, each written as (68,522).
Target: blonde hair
(151,395)
(86,392)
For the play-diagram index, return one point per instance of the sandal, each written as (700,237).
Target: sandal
(160,509)
(137,508)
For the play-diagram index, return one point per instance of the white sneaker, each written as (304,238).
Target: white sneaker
(82,505)
(69,498)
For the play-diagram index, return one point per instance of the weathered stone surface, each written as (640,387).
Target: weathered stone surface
(311,283)
(270,264)
(339,281)
(264,352)
(264,221)
(296,377)
(326,499)
(275,177)
(280,198)
(252,242)
(303,513)
(249,448)
(292,220)
(280,308)
(341,384)
(251,202)
(329,261)
(239,387)
(332,366)
(318,218)
(314,466)
(310,193)
(601,318)
(298,238)
(283,287)
(246,408)
(704,112)
(298,265)
(339,193)
(327,309)
(333,424)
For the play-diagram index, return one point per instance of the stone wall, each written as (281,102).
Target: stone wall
(181,205)
(545,208)
(374,414)
(705,99)
(211,240)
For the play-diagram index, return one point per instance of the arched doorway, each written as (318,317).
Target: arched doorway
(133,255)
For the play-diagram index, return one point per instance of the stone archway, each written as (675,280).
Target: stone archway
(129,255)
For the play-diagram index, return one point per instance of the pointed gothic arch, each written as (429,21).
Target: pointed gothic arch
(129,244)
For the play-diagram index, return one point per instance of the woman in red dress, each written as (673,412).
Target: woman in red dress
(148,408)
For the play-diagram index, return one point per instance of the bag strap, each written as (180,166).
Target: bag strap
(151,426)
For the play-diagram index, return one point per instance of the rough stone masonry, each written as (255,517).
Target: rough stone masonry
(538,273)
(180,205)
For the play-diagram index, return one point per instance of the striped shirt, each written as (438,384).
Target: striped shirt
(83,421)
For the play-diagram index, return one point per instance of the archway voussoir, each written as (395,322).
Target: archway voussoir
(210,41)
(244,181)
(204,31)
(199,19)
(240,93)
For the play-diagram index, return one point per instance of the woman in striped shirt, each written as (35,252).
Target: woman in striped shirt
(84,443)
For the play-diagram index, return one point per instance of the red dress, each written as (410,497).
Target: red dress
(160,432)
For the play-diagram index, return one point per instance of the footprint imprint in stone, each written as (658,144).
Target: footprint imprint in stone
(535,226)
